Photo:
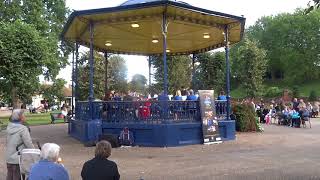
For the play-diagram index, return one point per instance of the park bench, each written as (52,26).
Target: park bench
(57,116)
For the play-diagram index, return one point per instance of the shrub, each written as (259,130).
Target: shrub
(273,92)
(313,96)
(245,117)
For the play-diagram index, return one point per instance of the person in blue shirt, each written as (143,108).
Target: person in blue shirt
(222,96)
(191,96)
(48,168)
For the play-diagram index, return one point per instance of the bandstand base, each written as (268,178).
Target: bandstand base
(149,135)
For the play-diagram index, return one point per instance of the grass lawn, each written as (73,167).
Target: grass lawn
(32,119)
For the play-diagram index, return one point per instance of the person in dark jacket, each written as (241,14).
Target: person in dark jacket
(100,168)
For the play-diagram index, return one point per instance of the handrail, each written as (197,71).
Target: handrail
(146,112)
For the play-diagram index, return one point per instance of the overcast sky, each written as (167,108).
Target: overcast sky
(251,9)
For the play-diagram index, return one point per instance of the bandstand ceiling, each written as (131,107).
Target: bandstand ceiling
(136,28)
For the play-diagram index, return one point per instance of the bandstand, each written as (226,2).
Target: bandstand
(150,28)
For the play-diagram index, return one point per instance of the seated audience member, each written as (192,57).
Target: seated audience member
(222,96)
(100,168)
(295,104)
(295,118)
(284,117)
(315,109)
(184,91)
(178,96)
(64,113)
(191,96)
(48,167)
(265,111)
(309,107)
(117,97)
(302,105)
(305,117)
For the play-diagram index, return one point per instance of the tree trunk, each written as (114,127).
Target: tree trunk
(16,103)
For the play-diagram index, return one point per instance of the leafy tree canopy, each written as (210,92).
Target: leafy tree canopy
(210,73)
(53,92)
(252,62)
(138,83)
(23,55)
(30,45)
(292,44)
(179,72)
(117,75)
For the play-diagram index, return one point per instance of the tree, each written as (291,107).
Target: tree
(138,83)
(251,67)
(48,18)
(22,57)
(179,72)
(210,73)
(292,45)
(53,92)
(312,5)
(117,74)
(43,20)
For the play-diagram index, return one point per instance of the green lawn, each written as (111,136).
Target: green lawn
(32,119)
(304,88)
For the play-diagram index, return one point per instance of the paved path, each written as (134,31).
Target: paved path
(278,153)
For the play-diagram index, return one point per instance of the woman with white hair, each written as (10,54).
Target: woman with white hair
(48,167)
(18,138)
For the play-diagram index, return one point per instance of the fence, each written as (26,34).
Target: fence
(146,112)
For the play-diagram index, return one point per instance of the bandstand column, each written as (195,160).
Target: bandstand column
(72,83)
(149,63)
(164,33)
(193,70)
(106,56)
(76,72)
(226,34)
(91,59)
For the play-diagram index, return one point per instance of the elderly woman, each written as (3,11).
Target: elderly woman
(48,167)
(100,168)
(18,138)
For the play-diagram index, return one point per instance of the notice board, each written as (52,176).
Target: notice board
(210,125)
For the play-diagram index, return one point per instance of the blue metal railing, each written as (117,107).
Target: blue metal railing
(146,112)
(221,108)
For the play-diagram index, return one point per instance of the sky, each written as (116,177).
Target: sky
(252,10)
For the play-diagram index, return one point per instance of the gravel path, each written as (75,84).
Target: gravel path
(278,153)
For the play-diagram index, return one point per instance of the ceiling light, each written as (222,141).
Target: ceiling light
(168,50)
(108,43)
(206,35)
(135,25)
(155,40)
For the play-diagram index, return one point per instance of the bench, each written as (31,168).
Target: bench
(57,116)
